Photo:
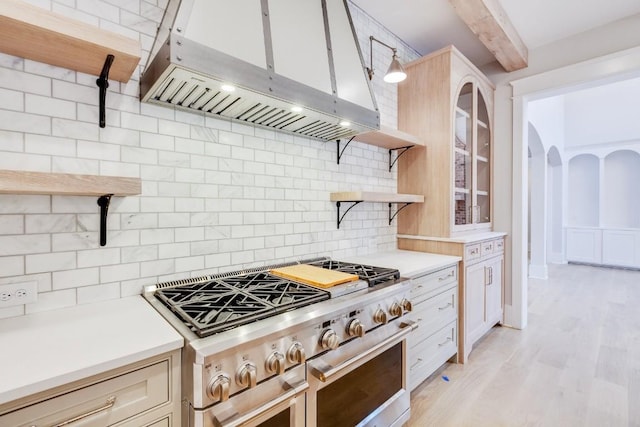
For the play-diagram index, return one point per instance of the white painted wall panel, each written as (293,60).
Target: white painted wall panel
(584,245)
(620,247)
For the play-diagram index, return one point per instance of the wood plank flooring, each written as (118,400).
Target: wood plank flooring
(576,364)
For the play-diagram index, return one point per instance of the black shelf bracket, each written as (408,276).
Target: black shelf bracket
(103,84)
(400,153)
(103,202)
(340,153)
(397,211)
(340,218)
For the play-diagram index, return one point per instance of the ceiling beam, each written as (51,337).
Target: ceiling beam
(488,20)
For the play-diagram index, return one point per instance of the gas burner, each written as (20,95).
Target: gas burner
(216,305)
(373,275)
(222,311)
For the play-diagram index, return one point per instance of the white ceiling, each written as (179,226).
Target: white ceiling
(428,25)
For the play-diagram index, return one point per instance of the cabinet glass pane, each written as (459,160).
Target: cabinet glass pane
(483,209)
(483,159)
(463,148)
(484,135)
(462,170)
(464,131)
(463,208)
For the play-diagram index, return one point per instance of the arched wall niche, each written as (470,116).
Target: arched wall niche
(620,196)
(584,191)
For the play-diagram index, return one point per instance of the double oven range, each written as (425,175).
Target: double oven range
(266,351)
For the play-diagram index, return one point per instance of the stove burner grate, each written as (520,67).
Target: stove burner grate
(373,275)
(217,305)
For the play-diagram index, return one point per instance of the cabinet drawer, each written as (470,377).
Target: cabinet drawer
(101,404)
(165,422)
(426,357)
(423,286)
(433,314)
(499,246)
(472,252)
(487,248)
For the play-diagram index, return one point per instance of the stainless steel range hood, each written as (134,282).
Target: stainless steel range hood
(295,65)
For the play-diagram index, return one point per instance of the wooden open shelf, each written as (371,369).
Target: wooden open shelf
(356,197)
(34,33)
(366,196)
(389,138)
(20,182)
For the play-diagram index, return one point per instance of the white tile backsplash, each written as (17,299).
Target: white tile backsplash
(11,266)
(216,195)
(76,278)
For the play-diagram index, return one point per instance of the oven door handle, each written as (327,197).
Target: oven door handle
(323,371)
(237,420)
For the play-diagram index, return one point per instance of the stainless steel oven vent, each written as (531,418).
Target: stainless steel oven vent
(291,65)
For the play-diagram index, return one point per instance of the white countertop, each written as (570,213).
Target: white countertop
(409,263)
(44,350)
(463,238)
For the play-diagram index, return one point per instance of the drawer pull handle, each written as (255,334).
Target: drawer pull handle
(110,402)
(445,342)
(446,306)
(451,273)
(474,252)
(416,364)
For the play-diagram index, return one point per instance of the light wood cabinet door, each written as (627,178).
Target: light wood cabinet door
(494,268)
(475,305)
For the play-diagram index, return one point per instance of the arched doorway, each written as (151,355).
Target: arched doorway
(555,208)
(537,206)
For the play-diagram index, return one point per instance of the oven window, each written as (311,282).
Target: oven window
(350,399)
(281,419)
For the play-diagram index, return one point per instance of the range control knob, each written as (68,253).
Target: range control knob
(355,328)
(247,375)
(395,310)
(219,388)
(329,340)
(296,353)
(275,363)
(380,316)
(406,304)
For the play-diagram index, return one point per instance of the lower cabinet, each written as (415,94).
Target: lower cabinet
(481,282)
(141,394)
(435,310)
(604,246)
(483,298)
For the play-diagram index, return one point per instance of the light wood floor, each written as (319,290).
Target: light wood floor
(576,364)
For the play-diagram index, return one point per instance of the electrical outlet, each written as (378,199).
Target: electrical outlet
(18,293)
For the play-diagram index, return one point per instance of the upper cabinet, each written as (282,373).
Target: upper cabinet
(447,102)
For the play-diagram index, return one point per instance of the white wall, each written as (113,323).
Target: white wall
(216,195)
(548,117)
(603,114)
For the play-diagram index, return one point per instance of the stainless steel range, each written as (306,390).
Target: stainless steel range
(262,350)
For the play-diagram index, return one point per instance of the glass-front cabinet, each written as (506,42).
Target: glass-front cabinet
(447,102)
(472,159)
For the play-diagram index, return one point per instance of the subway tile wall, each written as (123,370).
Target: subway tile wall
(216,195)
